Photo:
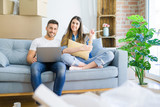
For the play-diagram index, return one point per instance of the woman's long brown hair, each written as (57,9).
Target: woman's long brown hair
(69,33)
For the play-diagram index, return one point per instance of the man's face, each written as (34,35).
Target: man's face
(52,30)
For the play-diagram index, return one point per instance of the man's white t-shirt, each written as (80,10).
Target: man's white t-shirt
(43,42)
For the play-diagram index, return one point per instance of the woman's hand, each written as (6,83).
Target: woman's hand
(91,34)
(86,48)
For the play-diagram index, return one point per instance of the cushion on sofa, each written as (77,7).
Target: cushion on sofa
(82,54)
(15,50)
(92,74)
(3,60)
(97,45)
(106,50)
(21,73)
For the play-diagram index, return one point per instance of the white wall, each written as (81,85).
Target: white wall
(64,10)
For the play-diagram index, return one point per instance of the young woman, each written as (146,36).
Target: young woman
(75,33)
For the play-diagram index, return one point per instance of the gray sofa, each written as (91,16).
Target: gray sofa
(15,72)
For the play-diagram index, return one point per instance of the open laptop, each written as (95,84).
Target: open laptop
(48,54)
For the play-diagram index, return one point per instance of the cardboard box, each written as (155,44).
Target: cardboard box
(33,7)
(20,27)
(6,7)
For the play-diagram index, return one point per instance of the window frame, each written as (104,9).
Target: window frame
(147,74)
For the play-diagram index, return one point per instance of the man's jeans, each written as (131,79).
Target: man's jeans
(58,67)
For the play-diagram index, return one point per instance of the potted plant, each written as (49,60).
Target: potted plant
(138,40)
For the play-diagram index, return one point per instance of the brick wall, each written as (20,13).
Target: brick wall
(125,8)
(141,6)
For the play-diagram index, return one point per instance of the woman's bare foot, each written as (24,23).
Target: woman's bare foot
(81,64)
(81,68)
(75,68)
(100,66)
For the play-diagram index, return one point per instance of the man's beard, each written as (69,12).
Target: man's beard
(51,35)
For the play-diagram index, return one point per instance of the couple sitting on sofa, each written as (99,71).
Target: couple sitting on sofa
(69,53)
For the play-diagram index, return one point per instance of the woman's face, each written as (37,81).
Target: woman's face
(75,24)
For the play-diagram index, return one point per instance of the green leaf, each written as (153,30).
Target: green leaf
(121,40)
(147,65)
(135,24)
(154,42)
(136,18)
(152,58)
(145,52)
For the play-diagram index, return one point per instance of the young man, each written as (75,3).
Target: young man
(38,67)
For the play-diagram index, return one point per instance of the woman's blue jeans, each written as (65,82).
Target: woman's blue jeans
(58,67)
(101,59)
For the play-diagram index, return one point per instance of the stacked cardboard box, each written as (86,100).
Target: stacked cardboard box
(27,25)
(20,27)
(33,7)
(6,7)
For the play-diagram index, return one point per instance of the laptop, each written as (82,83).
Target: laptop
(48,54)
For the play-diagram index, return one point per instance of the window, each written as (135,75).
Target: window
(153,17)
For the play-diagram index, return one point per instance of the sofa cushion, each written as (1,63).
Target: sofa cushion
(21,73)
(91,84)
(97,45)
(105,50)
(15,50)
(92,74)
(3,60)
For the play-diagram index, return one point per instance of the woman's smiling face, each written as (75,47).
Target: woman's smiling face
(75,24)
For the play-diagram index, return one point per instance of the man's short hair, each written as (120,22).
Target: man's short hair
(52,22)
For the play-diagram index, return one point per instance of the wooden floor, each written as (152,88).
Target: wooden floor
(7,100)
(26,100)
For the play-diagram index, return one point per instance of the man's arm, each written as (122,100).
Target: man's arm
(31,56)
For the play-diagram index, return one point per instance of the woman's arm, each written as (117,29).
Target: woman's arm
(71,50)
(82,48)
(91,34)
(77,49)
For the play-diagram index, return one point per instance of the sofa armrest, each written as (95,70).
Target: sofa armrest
(121,61)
